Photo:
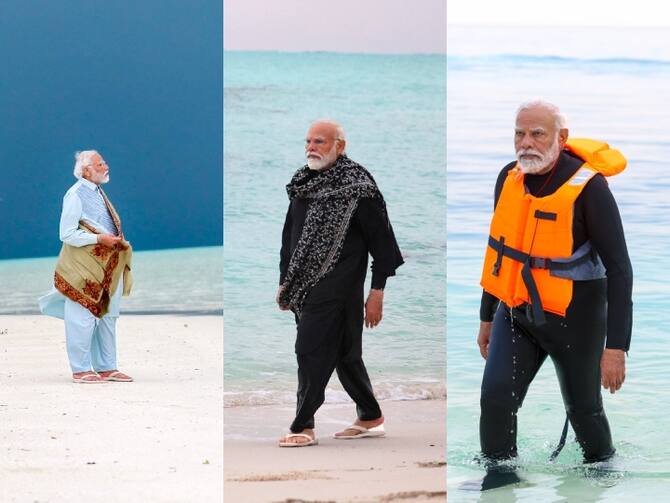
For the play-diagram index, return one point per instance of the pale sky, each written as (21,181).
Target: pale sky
(374,26)
(562,12)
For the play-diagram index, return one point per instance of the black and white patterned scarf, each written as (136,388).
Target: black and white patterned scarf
(334,196)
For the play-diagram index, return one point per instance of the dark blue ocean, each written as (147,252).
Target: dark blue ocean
(139,81)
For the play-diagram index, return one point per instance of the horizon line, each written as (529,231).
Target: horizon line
(557,25)
(135,250)
(300,51)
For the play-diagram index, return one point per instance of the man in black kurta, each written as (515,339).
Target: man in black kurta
(336,217)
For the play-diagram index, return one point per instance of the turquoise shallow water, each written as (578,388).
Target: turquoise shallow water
(393,110)
(623,102)
(160,279)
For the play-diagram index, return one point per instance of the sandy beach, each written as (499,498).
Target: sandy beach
(407,465)
(159,439)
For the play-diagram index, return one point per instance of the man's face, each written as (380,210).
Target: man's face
(321,147)
(97,170)
(537,141)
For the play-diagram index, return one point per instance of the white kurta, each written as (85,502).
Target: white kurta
(90,342)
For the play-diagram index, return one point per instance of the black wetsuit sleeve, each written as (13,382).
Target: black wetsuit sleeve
(489,303)
(605,230)
(378,234)
(285,253)
(488,306)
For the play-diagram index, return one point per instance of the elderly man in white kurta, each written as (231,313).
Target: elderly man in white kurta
(92,273)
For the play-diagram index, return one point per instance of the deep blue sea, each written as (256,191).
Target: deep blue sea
(393,111)
(608,94)
(138,81)
(178,281)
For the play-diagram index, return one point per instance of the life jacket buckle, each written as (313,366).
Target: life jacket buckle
(501,252)
(540,263)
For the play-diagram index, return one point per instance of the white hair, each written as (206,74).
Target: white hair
(82,159)
(339,130)
(561,121)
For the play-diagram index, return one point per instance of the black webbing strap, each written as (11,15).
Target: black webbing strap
(535,262)
(545,215)
(535,300)
(529,262)
(561,442)
(501,247)
(552,265)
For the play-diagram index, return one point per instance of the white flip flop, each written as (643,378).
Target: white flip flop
(377,431)
(312,441)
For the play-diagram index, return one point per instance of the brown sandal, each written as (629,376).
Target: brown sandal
(115,375)
(87,378)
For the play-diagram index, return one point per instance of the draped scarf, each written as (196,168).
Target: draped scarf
(90,274)
(333,197)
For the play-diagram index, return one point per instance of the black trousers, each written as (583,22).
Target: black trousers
(517,350)
(337,327)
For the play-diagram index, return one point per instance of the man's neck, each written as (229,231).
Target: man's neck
(89,183)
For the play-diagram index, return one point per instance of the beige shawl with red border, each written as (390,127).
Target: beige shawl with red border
(89,275)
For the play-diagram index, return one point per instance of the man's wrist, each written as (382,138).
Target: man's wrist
(620,350)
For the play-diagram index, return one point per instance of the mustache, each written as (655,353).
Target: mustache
(528,151)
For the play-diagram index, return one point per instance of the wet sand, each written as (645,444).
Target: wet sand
(405,466)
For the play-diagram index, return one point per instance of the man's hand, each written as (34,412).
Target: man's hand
(484,337)
(373,308)
(613,369)
(283,307)
(108,240)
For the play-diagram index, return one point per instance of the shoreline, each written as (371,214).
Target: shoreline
(407,465)
(158,439)
(139,312)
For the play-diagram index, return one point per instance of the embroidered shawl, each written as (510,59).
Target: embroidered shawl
(89,275)
(334,196)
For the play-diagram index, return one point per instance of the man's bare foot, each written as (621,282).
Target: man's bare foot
(350,432)
(287,439)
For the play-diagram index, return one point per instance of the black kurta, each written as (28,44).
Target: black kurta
(330,327)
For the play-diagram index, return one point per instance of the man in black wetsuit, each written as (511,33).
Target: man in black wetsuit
(588,344)
(336,217)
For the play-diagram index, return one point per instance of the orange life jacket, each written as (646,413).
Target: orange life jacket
(530,257)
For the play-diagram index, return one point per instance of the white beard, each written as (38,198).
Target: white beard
(100,180)
(541,162)
(322,162)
